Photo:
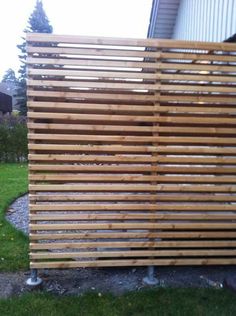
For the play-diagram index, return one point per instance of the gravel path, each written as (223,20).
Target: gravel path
(18,214)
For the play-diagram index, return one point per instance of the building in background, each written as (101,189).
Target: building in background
(6,98)
(194,20)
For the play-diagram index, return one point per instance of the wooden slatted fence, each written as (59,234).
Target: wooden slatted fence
(132,152)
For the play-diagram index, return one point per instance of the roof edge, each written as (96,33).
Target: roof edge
(152,20)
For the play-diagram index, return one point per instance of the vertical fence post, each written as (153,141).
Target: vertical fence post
(150,279)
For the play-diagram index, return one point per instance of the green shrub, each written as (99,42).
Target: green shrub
(13,139)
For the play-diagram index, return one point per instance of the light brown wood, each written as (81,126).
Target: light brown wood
(132,152)
(133,169)
(134,139)
(132,188)
(134,207)
(94,52)
(141,244)
(92,73)
(101,85)
(125,53)
(144,216)
(134,253)
(130,118)
(135,226)
(131,159)
(131,178)
(129,86)
(135,197)
(141,129)
(99,63)
(74,39)
(124,235)
(197,150)
(133,262)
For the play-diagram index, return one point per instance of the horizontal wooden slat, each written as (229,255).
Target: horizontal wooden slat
(144,244)
(135,226)
(126,53)
(131,97)
(214,98)
(198,56)
(108,217)
(133,262)
(91,73)
(197,150)
(197,67)
(134,253)
(94,52)
(98,63)
(126,207)
(101,85)
(135,197)
(141,129)
(131,75)
(131,159)
(134,188)
(162,43)
(133,169)
(135,235)
(134,139)
(86,107)
(130,118)
(90,106)
(130,86)
(131,178)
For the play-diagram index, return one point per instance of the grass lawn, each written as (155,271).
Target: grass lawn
(176,302)
(13,244)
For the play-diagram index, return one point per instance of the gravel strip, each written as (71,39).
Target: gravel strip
(18,214)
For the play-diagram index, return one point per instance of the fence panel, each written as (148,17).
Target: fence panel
(132,152)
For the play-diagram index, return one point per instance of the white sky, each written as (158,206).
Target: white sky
(115,18)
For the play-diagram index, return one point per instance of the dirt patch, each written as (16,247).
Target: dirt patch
(114,280)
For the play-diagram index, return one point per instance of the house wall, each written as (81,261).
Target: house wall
(205,20)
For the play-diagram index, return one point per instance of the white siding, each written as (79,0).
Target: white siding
(205,20)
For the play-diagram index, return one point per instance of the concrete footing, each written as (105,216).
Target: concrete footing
(34,280)
(150,279)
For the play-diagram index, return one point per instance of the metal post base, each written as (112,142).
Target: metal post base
(150,279)
(34,280)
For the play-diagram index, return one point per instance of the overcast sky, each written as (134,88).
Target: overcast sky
(118,18)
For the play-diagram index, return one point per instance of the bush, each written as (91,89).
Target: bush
(13,139)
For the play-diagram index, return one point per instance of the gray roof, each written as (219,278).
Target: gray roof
(162,19)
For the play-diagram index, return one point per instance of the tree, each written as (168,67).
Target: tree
(11,82)
(37,23)
(10,77)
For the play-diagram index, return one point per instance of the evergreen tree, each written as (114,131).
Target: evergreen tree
(10,77)
(37,23)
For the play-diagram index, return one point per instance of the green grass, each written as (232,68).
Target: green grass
(176,302)
(13,244)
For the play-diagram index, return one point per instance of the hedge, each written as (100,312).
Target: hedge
(13,139)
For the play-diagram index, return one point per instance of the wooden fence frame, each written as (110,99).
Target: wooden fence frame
(131,152)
